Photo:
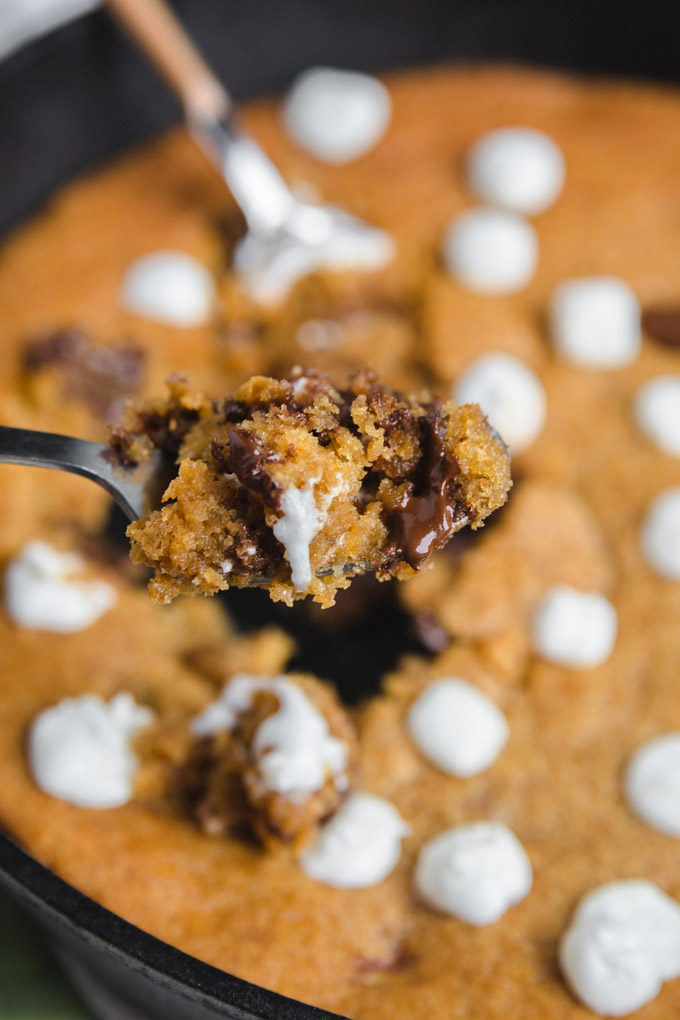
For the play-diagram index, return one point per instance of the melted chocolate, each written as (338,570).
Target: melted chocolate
(426,519)
(248,459)
(231,227)
(663,325)
(101,377)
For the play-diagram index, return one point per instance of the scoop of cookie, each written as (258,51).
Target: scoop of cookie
(297,486)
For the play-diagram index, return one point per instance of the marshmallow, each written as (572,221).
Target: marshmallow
(491,251)
(475,872)
(516,168)
(574,628)
(622,944)
(657,412)
(661,534)
(44,592)
(595,322)
(652,783)
(360,845)
(337,116)
(294,749)
(170,287)
(510,395)
(320,239)
(298,524)
(80,750)
(457,727)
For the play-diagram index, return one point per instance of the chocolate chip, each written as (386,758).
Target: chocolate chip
(398,960)
(663,325)
(231,226)
(427,518)
(101,377)
(248,459)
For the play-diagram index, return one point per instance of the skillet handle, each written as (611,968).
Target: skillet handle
(156,29)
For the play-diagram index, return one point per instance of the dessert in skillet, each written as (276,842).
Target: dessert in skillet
(494,834)
(296,486)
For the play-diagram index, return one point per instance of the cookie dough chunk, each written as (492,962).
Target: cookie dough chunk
(297,486)
(274,756)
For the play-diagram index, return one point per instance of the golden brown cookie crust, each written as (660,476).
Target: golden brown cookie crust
(586,483)
(386,480)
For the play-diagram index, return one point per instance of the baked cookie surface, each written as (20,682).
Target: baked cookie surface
(583,520)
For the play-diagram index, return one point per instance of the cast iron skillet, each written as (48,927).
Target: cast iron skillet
(81,95)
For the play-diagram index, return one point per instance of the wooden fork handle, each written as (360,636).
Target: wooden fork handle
(156,29)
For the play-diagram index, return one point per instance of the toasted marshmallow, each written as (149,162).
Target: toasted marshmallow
(45,590)
(595,322)
(661,534)
(475,872)
(509,393)
(652,783)
(657,412)
(573,628)
(491,251)
(360,845)
(169,287)
(457,727)
(80,750)
(516,168)
(622,944)
(335,115)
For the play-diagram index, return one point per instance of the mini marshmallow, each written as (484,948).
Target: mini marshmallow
(335,115)
(661,534)
(474,872)
(170,287)
(457,727)
(45,590)
(299,523)
(491,251)
(80,750)
(574,628)
(622,944)
(657,412)
(509,393)
(516,168)
(360,845)
(652,783)
(595,322)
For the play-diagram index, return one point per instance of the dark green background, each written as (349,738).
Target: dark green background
(32,985)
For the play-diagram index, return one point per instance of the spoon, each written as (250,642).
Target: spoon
(135,492)
(287,238)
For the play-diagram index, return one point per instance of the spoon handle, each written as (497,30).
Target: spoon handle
(77,456)
(162,37)
(255,182)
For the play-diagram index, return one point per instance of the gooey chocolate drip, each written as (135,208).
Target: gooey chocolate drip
(248,459)
(428,517)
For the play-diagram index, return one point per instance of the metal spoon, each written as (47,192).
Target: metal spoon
(282,230)
(136,492)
